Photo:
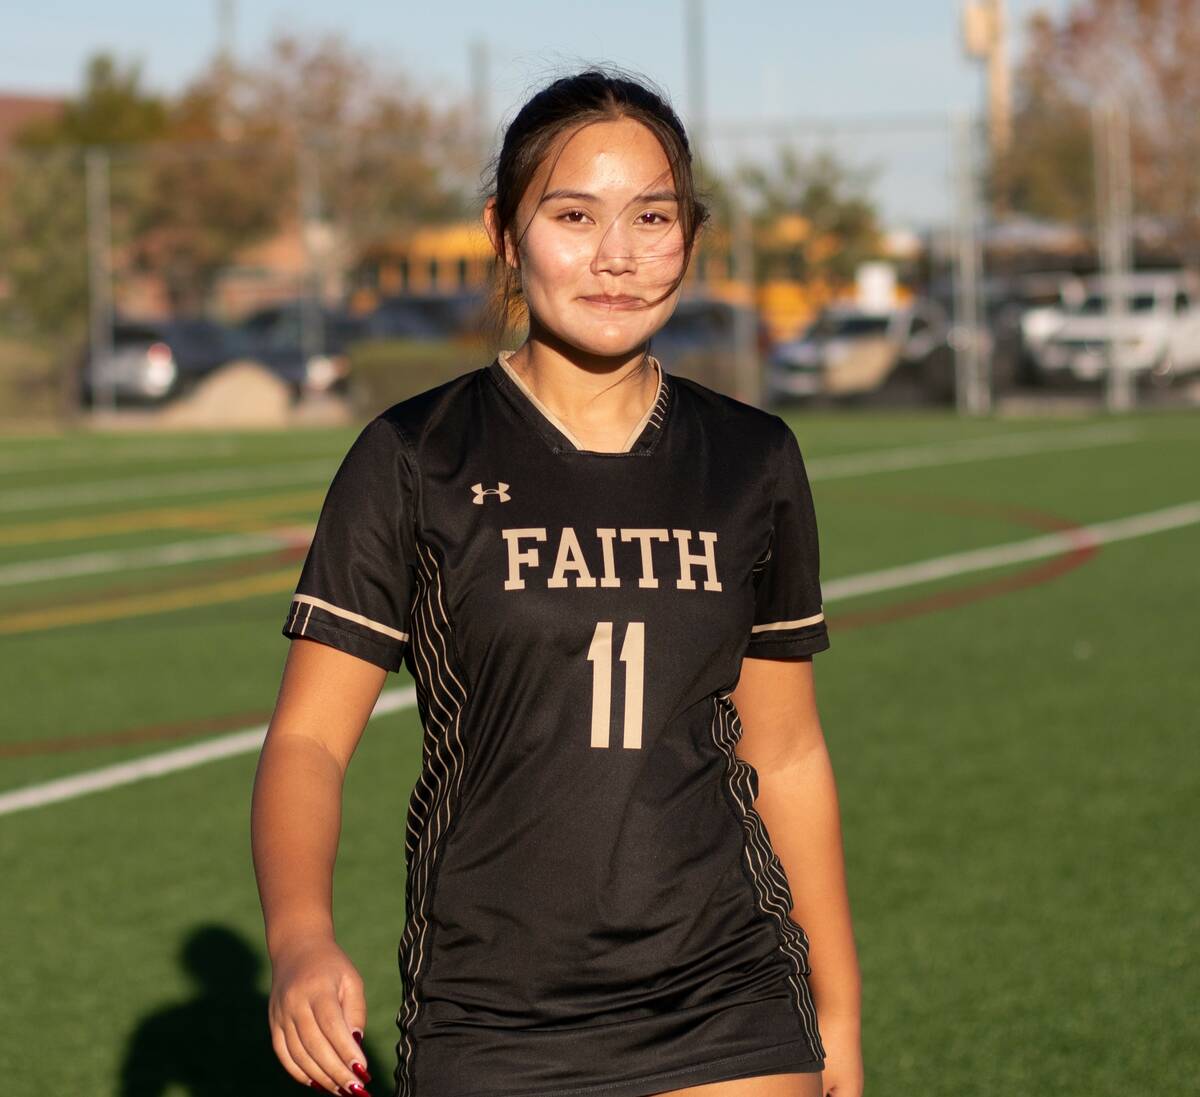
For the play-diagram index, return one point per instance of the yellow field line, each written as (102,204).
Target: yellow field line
(228,590)
(239,511)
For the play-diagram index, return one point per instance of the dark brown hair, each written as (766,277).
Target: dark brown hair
(594,95)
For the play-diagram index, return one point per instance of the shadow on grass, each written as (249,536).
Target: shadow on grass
(217,1043)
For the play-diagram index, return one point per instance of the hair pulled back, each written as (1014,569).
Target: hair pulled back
(566,104)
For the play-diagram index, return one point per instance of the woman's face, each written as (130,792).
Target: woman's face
(602,241)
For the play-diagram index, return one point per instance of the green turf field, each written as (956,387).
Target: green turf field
(1015,736)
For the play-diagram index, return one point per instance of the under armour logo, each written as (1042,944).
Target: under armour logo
(480,491)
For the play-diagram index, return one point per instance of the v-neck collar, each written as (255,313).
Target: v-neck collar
(642,438)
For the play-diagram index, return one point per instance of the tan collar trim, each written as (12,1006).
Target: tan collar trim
(655,405)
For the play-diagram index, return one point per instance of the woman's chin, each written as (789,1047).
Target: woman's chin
(609,343)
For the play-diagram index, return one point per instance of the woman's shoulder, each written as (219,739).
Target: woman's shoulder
(718,409)
(414,416)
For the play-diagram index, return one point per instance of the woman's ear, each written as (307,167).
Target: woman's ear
(489,223)
(492,229)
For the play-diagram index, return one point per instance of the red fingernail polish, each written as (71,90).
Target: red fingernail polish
(361,1070)
(358,1090)
(357,1035)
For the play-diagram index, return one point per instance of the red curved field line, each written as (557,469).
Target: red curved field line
(156,732)
(236,721)
(1040,572)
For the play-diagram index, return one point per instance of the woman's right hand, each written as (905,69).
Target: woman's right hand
(315,1008)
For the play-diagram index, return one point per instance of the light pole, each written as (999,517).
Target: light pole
(985,38)
(1114,212)
(100,294)
(697,77)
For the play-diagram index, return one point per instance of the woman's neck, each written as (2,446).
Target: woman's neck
(600,399)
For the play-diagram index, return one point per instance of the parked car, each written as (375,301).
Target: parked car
(1026,311)
(307,346)
(425,316)
(1158,337)
(701,339)
(152,362)
(1020,311)
(849,351)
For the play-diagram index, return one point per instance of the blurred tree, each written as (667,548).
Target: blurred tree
(43,211)
(112,109)
(1140,51)
(196,179)
(389,159)
(813,217)
(312,125)
(204,197)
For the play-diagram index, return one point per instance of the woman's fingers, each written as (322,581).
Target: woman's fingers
(279,1043)
(330,1015)
(354,1014)
(313,1028)
(298,1047)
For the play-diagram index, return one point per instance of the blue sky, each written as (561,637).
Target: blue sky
(865,59)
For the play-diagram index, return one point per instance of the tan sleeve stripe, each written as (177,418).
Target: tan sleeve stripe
(356,617)
(789,624)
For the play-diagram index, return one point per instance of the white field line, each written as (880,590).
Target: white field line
(1014,552)
(157,487)
(170,761)
(179,552)
(969,449)
(823,468)
(241,742)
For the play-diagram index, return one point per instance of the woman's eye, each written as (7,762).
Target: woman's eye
(573,216)
(653,213)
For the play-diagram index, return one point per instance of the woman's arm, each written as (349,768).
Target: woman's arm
(325,699)
(797,800)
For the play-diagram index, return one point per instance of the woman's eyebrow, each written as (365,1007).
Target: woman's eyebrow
(583,196)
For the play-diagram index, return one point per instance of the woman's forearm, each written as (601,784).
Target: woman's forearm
(799,806)
(295,825)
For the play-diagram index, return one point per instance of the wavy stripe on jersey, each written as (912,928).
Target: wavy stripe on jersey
(770,881)
(441,698)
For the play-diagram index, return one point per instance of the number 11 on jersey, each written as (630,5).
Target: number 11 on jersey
(633,655)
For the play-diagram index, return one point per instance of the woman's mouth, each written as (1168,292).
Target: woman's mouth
(614,301)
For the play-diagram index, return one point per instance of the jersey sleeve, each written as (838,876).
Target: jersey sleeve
(789,618)
(356,583)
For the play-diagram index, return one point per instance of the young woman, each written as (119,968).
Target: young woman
(603,579)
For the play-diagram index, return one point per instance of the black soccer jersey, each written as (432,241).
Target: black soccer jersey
(593,906)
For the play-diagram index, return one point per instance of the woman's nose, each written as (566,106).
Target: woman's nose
(614,252)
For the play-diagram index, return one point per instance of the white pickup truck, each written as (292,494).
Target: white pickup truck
(1158,335)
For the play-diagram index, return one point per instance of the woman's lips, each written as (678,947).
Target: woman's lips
(622,302)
